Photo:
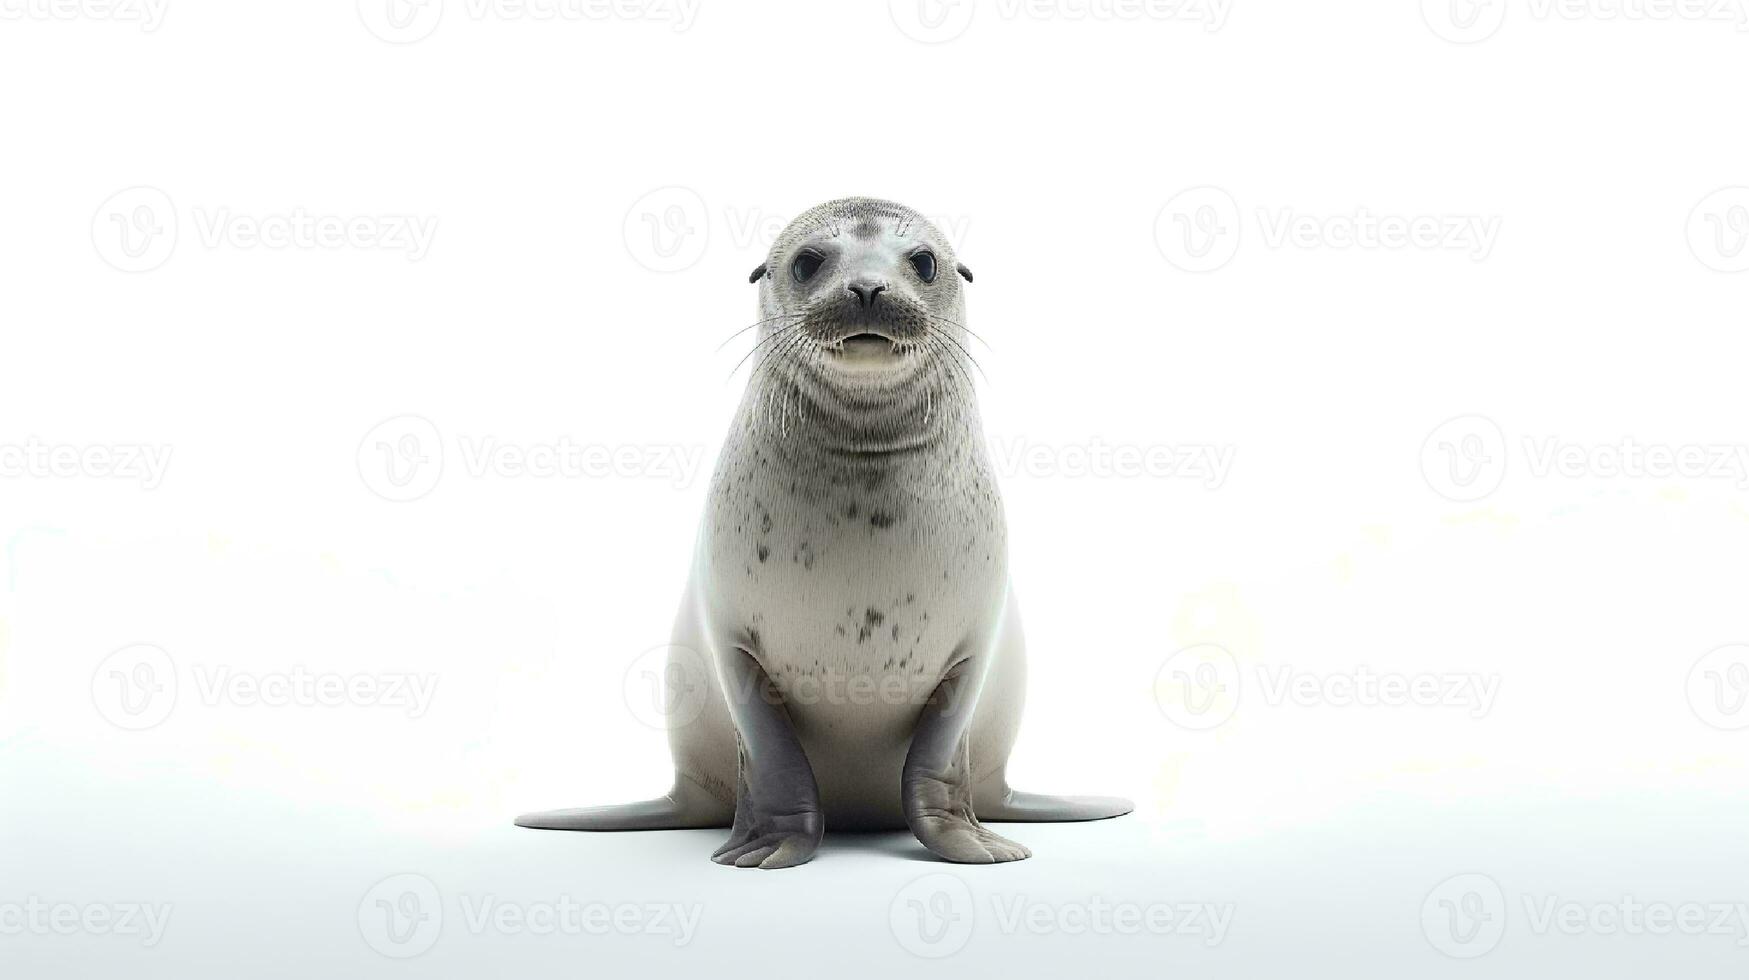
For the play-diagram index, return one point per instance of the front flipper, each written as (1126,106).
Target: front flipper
(778,821)
(936,787)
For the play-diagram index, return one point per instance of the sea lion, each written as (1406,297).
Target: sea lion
(849,622)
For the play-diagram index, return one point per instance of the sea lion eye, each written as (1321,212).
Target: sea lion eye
(805,265)
(924,263)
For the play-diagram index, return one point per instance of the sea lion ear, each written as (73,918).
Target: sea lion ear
(758,273)
(964,271)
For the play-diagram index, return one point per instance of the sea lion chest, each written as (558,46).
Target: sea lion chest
(854,579)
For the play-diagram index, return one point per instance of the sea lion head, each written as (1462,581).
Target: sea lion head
(862,295)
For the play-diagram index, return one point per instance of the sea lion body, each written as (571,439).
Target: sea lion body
(848,651)
(855,593)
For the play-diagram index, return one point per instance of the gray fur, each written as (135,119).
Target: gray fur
(849,590)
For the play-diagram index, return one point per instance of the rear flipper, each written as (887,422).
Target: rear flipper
(686,806)
(1006,805)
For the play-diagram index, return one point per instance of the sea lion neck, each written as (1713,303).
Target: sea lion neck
(804,416)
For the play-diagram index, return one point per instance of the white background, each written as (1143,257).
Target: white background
(599,187)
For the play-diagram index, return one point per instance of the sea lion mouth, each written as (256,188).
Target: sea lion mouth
(866,350)
(865,342)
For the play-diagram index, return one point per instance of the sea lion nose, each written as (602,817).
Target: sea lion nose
(866,291)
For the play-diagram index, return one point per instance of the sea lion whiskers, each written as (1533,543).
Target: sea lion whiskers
(780,356)
(779,332)
(955,323)
(938,332)
(750,326)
